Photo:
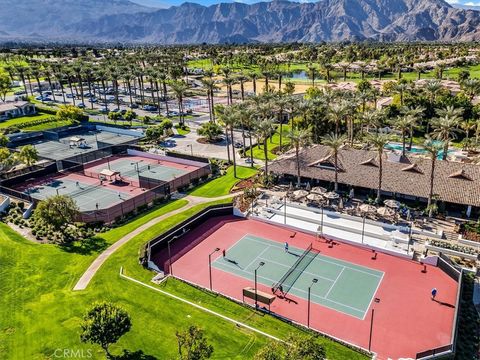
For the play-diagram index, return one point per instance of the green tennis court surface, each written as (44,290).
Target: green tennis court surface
(341,285)
(87,196)
(131,169)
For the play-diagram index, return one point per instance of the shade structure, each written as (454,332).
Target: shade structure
(332,195)
(385,211)
(367,208)
(298,194)
(318,190)
(392,204)
(315,197)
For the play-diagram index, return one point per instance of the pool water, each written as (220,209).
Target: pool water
(414,149)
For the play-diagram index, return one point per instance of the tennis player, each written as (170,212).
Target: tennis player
(286,246)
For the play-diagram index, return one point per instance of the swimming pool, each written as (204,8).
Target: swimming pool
(414,149)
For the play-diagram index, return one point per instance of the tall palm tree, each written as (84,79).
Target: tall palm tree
(209,85)
(471,87)
(378,142)
(231,119)
(433,148)
(180,89)
(253,76)
(264,130)
(242,79)
(162,78)
(336,114)
(281,103)
(416,114)
(299,139)
(335,143)
(221,112)
(446,127)
(403,124)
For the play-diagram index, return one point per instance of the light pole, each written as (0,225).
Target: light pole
(210,265)
(377,300)
(314,281)
(191,148)
(259,265)
(363,228)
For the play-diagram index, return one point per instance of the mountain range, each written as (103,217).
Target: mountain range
(122,21)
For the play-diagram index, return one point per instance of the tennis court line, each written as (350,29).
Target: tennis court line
(298,289)
(335,282)
(288,267)
(324,260)
(373,297)
(259,256)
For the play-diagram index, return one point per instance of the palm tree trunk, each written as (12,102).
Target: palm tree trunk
(166,97)
(266,156)
(297,155)
(251,149)
(228,143)
(336,172)
(430,193)
(403,142)
(233,154)
(380,175)
(445,150)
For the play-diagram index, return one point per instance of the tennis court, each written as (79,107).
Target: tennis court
(340,285)
(87,195)
(133,167)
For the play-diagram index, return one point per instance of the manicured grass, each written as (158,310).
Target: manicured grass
(272,143)
(181,131)
(24,119)
(46,126)
(39,313)
(222,185)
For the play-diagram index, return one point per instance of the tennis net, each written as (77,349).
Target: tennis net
(292,275)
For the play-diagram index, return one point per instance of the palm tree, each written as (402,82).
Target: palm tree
(416,114)
(433,148)
(253,76)
(281,102)
(180,89)
(446,127)
(403,124)
(345,67)
(299,139)
(378,141)
(229,82)
(162,78)
(222,112)
(471,87)
(336,114)
(401,88)
(312,72)
(335,143)
(209,85)
(231,119)
(242,79)
(264,130)
(35,71)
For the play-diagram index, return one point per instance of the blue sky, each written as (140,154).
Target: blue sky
(167,3)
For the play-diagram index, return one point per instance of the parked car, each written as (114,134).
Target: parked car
(134,106)
(70,96)
(238,145)
(21,92)
(81,106)
(104,110)
(249,161)
(93,100)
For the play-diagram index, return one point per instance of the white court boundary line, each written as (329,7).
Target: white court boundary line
(324,260)
(211,312)
(300,290)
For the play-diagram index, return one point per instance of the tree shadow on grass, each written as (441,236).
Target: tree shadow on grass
(134,355)
(88,246)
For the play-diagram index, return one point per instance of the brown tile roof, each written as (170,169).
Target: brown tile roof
(454,182)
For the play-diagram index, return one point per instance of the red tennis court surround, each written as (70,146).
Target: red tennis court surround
(406,320)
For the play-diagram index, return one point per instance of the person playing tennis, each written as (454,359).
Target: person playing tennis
(286,246)
(434,293)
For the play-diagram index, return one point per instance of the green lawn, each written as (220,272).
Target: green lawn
(181,131)
(222,185)
(274,142)
(24,119)
(39,313)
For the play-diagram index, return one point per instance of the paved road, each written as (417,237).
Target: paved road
(100,260)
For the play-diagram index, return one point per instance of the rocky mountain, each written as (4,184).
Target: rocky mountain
(276,21)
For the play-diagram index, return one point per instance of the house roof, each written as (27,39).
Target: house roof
(454,182)
(12,105)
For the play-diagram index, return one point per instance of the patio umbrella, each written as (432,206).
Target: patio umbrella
(319,190)
(392,204)
(298,194)
(315,197)
(367,208)
(332,195)
(385,211)
(308,187)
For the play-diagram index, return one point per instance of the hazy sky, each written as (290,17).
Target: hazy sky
(167,3)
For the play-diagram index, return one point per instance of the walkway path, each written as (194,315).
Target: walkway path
(98,262)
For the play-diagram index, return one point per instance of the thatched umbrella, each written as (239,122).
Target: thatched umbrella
(319,190)
(392,204)
(385,211)
(332,195)
(367,208)
(298,194)
(315,197)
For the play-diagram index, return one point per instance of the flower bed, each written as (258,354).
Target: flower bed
(452,249)
(471,231)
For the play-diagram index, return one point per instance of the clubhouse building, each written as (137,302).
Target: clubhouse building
(456,185)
